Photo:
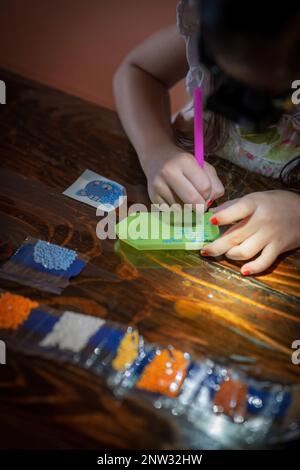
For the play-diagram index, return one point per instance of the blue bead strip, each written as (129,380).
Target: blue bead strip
(110,336)
(53,256)
(258,400)
(40,321)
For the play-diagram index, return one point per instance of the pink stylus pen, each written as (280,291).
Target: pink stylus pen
(198,126)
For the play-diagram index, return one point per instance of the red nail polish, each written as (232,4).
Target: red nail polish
(204,253)
(246,272)
(214,220)
(209,203)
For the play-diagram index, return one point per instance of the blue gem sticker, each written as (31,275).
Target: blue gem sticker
(104,192)
(97,191)
(53,256)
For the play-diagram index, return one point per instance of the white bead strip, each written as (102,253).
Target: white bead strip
(72,331)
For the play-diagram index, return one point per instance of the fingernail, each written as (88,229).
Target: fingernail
(214,220)
(246,272)
(204,253)
(209,203)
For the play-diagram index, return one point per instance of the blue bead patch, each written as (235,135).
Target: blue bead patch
(25,256)
(53,256)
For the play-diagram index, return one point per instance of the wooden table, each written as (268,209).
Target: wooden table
(47,140)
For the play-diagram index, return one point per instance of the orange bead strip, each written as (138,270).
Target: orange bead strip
(231,398)
(14,310)
(165,374)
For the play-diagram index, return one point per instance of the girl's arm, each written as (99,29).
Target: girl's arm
(141,87)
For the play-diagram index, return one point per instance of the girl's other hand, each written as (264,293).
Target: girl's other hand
(265,224)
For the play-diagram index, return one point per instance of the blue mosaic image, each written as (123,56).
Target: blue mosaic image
(104,192)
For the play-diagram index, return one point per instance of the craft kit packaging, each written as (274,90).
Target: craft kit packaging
(43,265)
(32,330)
(98,345)
(219,401)
(14,312)
(236,410)
(156,372)
(130,349)
(118,351)
(196,374)
(111,350)
(38,324)
(216,399)
(69,335)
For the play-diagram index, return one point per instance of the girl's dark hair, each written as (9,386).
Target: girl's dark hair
(229,20)
(227,25)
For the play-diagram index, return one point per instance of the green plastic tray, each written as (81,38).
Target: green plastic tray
(153,231)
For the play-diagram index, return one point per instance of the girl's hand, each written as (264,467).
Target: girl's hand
(175,176)
(265,222)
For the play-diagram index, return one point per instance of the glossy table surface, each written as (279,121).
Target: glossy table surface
(203,306)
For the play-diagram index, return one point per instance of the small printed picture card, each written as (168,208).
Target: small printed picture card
(97,191)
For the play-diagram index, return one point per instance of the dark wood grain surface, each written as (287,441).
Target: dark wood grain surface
(47,139)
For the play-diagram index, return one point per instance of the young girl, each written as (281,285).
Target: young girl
(245,56)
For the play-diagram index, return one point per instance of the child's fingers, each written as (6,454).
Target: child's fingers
(160,191)
(224,205)
(157,200)
(238,211)
(248,248)
(263,262)
(184,189)
(217,188)
(232,237)
(167,195)
(199,179)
